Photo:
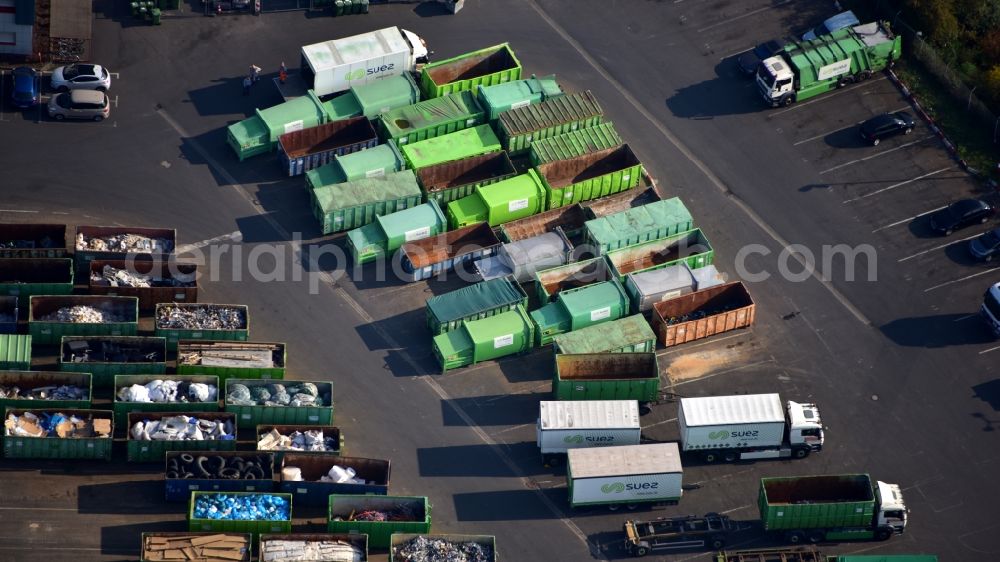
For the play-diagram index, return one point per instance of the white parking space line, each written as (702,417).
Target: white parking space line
(115,75)
(15,211)
(989,350)
(897,223)
(819,99)
(900,184)
(734,53)
(659,423)
(966,317)
(952,243)
(843,128)
(116,101)
(876,155)
(966,278)
(741,16)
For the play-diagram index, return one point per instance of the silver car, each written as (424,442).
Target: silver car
(81,77)
(80,104)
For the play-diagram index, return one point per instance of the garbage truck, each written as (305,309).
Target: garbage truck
(804,69)
(334,66)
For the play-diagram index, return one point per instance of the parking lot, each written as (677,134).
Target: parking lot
(902,368)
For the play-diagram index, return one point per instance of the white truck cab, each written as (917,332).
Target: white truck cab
(892,508)
(991,307)
(775,81)
(805,426)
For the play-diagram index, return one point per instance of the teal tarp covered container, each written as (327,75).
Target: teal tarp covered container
(453,180)
(493,337)
(431,118)
(453,146)
(121,313)
(389,232)
(353,204)
(319,413)
(370,163)
(106,357)
(551,282)
(511,199)
(606,376)
(591,176)
(517,94)
(342,506)
(28,381)
(380,96)
(254,527)
(487,298)
(25,277)
(630,334)
(518,128)
(230,359)
(578,308)
(259,134)
(816,502)
(15,352)
(575,143)
(97,447)
(122,407)
(690,247)
(636,225)
(485,67)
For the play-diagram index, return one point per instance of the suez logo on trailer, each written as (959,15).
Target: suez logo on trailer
(590,439)
(359,73)
(835,69)
(723,434)
(619,487)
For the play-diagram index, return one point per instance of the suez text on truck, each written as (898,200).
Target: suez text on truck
(335,66)
(753,426)
(804,69)
(991,307)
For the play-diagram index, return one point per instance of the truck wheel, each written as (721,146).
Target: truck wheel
(711,457)
(787,101)
(866,74)
(640,551)
(800,453)
(729,457)
(614,507)
(718,544)
(794,537)
(883,534)
(816,537)
(632,506)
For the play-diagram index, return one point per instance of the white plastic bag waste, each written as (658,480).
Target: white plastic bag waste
(135,393)
(291,474)
(200,392)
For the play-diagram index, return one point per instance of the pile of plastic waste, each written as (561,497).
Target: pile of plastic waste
(56,424)
(183,428)
(429,549)
(309,440)
(61,392)
(244,507)
(277,394)
(169,391)
(337,474)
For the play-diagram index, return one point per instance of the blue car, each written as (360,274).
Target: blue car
(25,87)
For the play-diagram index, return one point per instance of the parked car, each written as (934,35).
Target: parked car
(961,214)
(82,77)
(829,25)
(80,104)
(886,125)
(986,246)
(25,93)
(749,60)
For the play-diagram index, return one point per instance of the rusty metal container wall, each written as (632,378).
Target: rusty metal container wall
(728,307)
(82,258)
(591,176)
(570,219)
(427,257)
(310,148)
(148,297)
(46,240)
(456,179)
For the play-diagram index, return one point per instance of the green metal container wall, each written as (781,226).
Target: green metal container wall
(104,373)
(519,128)
(485,67)
(27,380)
(154,451)
(630,334)
(453,146)
(254,528)
(551,282)
(578,308)
(15,352)
(816,502)
(380,96)
(44,240)
(354,204)
(488,542)
(389,232)
(652,221)
(431,118)
(508,200)
(279,354)
(48,332)
(122,409)
(453,180)
(607,376)
(575,143)
(484,299)
(96,448)
(691,247)
(370,163)
(379,532)
(250,416)
(27,277)
(516,94)
(591,176)
(503,334)
(174,335)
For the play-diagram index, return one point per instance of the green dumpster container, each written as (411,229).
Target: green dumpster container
(155,16)
(163,243)
(511,199)
(154,451)
(388,233)
(489,338)
(578,308)
(225,359)
(519,128)
(152,543)
(380,96)
(343,506)
(453,180)
(590,176)
(690,247)
(164,328)
(353,204)
(29,398)
(51,446)
(259,134)
(453,146)
(637,225)
(122,314)
(276,414)
(485,67)
(551,282)
(484,299)
(517,94)
(15,352)
(122,407)
(108,356)
(606,376)
(370,163)
(431,118)
(25,277)
(29,240)
(330,433)
(575,143)
(629,334)
(252,526)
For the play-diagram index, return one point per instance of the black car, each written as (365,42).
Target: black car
(960,214)
(749,60)
(886,125)
(987,246)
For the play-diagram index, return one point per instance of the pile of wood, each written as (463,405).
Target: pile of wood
(195,547)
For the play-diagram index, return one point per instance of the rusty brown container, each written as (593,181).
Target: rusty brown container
(456,179)
(703,314)
(32,241)
(148,297)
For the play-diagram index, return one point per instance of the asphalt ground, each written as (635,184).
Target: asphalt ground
(903,369)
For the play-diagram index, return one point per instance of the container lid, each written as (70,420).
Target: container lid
(576,143)
(394,186)
(468,210)
(491,327)
(343,106)
(291,115)
(721,410)
(327,174)
(608,336)
(637,221)
(368,163)
(510,93)
(428,113)
(453,146)
(591,298)
(589,414)
(707,277)
(550,316)
(474,299)
(413,223)
(368,239)
(626,460)
(249,132)
(385,94)
(535,249)
(671,278)
(565,109)
(454,342)
(512,192)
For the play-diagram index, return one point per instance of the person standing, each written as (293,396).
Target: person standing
(254,73)
(282,73)
(247,82)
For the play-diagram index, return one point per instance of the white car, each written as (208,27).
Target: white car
(81,77)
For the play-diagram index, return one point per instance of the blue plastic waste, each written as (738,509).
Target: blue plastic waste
(254,507)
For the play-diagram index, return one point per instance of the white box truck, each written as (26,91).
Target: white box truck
(577,424)
(626,475)
(752,426)
(334,66)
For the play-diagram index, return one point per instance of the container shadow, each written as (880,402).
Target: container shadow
(535,365)
(713,98)
(125,540)
(989,392)
(494,410)
(937,331)
(431,9)
(525,505)
(135,497)
(478,461)
(224,96)
(405,327)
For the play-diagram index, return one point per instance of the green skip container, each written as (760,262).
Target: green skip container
(259,134)
(124,312)
(485,67)
(371,99)
(343,506)
(30,240)
(89,448)
(106,357)
(487,542)
(590,176)
(155,451)
(606,376)
(15,352)
(453,146)
(637,225)
(508,200)
(493,337)
(175,335)
(369,163)
(28,381)
(388,233)
(353,204)
(575,143)
(629,334)
(431,118)
(230,359)
(123,408)
(252,416)
(519,128)
(449,311)
(453,180)
(690,247)
(26,277)
(517,94)
(254,527)
(578,308)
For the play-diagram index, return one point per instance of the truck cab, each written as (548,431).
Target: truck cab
(991,308)
(671,533)
(775,80)
(805,426)
(892,509)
